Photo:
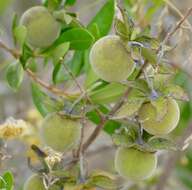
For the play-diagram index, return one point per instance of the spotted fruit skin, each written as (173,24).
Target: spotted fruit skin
(110,60)
(35,182)
(154,126)
(59,133)
(134,164)
(42,28)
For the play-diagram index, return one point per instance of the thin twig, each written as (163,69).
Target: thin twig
(178,26)
(13,52)
(32,75)
(172,160)
(172,6)
(49,87)
(115,108)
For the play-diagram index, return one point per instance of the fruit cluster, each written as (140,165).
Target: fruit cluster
(146,108)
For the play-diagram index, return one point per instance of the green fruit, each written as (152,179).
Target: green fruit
(155,126)
(42,28)
(60,133)
(134,164)
(35,182)
(110,60)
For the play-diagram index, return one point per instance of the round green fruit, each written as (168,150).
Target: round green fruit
(42,28)
(35,182)
(110,60)
(155,126)
(60,133)
(134,164)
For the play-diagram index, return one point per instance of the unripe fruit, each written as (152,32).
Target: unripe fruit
(155,126)
(35,182)
(134,164)
(110,60)
(42,28)
(60,133)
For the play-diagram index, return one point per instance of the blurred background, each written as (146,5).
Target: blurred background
(19,104)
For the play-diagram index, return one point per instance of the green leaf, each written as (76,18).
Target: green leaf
(130,108)
(6,181)
(56,72)
(103,180)
(43,102)
(20,33)
(108,94)
(121,29)
(52,4)
(104,18)
(125,136)
(70,2)
(176,92)
(79,38)
(110,125)
(13,26)
(15,75)
(161,106)
(59,52)
(94,29)
(149,55)
(76,63)
(8,177)
(62,16)
(26,54)
(159,143)
(91,78)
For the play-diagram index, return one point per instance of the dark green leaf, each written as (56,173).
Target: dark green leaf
(15,75)
(20,33)
(26,54)
(108,94)
(70,2)
(104,18)
(59,52)
(103,180)
(149,55)
(43,102)
(6,181)
(79,38)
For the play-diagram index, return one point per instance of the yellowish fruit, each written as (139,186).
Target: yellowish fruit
(134,164)
(110,60)
(59,133)
(42,28)
(163,126)
(35,182)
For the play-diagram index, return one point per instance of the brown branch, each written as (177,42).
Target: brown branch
(32,75)
(172,6)
(172,160)
(115,108)
(49,87)
(178,26)
(13,52)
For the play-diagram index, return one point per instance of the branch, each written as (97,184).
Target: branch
(116,107)
(172,6)
(49,87)
(172,160)
(178,26)
(13,52)
(32,75)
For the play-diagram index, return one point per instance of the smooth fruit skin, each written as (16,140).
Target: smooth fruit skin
(60,133)
(134,164)
(149,121)
(35,182)
(42,28)
(110,59)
